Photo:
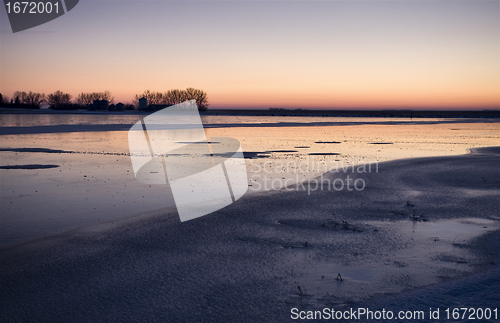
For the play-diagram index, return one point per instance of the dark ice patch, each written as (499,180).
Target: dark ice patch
(37,150)
(323,154)
(327,142)
(33,166)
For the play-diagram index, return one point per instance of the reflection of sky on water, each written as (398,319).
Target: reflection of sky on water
(94,182)
(9,120)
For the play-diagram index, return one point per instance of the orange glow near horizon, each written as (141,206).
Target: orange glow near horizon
(360,84)
(412,55)
(251,88)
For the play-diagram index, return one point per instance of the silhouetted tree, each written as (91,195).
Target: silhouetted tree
(31,100)
(25,100)
(35,99)
(84,99)
(198,95)
(106,95)
(18,98)
(59,100)
(152,97)
(174,96)
(88,98)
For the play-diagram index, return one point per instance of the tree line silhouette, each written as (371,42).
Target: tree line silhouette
(175,96)
(60,100)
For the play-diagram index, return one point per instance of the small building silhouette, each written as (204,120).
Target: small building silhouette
(143,103)
(120,106)
(103,104)
(100,104)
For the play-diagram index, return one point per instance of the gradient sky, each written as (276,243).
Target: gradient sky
(296,54)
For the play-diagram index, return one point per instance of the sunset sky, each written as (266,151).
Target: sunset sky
(260,54)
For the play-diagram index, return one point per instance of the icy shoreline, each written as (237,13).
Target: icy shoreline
(426,226)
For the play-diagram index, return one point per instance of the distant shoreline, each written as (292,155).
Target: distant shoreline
(361,113)
(291,113)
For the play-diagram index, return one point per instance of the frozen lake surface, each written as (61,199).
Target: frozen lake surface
(55,182)
(424,233)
